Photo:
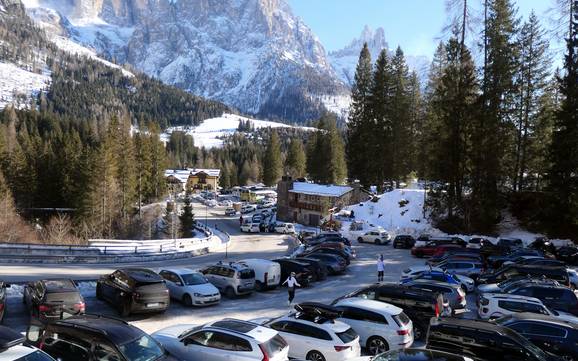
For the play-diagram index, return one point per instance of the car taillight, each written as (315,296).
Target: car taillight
(265,355)
(44,308)
(403,332)
(136,295)
(79,306)
(341,348)
(437,310)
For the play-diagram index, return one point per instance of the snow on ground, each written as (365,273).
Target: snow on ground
(210,132)
(15,82)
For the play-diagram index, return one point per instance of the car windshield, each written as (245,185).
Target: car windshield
(247,274)
(142,349)
(347,336)
(35,356)
(193,279)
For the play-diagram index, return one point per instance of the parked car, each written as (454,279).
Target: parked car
(482,340)
(513,283)
(319,267)
(267,273)
(134,290)
(230,212)
(335,264)
(466,283)
(418,354)
(327,237)
(558,298)
(285,228)
(467,268)
(224,340)
(403,241)
(3,287)
(476,242)
(432,248)
(559,274)
(381,327)
(232,279)
(425,246)
(12,348)
(536,261)
(449,257)
(328,250)
(418,305)
(248,208)
(53,299)
(568,254)
(548,333)
(453,293)
(303,271)
(249,226)
(315,333)
(497,261)
(512,243)
(189,287)
(495,305)
(92,337)
(377,236)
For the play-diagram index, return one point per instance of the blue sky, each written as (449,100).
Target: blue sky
(415,25)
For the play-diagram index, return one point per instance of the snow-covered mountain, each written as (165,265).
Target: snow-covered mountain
(252,54)
(344,61)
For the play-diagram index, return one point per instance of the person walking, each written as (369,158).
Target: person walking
(380,268)
(291,282)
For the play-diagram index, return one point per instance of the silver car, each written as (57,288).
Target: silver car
(471,269)
(453,293)
(232,279)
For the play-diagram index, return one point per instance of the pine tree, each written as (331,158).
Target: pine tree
(358,127)
(272,162)
(563,175)
(315,157)
(400,118)
(296,162)
(187,219)
(334,164)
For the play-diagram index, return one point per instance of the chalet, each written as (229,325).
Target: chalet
(194,179)
(309,203)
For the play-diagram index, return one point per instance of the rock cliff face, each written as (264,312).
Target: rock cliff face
(251,54)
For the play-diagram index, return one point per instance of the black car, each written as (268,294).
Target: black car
(92,337)
(319,268)
(497,261)
(327,250)
(334,264)
(482,340)
(53,299)
(403,241)
(327,237)
(134,290)
(542,262)
(555,297)
(511,243)
(559,274)
(568,254)
(303,271)
(418,354)
(13,349)
(549,333)
(3,287)
(418,305)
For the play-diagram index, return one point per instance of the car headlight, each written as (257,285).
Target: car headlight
(197,295)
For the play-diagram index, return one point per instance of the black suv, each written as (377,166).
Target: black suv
(403,241)
(418,354)
(482,340)
(555,297)
(93,337)
(559,274)
(549,333)
(303,271)
(134,290)
(319,268)
(12,348)
(568,254)
(418,305)
(53,299)
(3,287)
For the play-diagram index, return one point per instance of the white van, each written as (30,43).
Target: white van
(250,227)
(267,273)
(284,228)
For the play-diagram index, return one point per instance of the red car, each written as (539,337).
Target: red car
(432,248)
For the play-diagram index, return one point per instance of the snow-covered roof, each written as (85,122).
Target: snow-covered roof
(313,189)
(183,174)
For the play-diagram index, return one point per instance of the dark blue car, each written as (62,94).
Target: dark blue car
(443,277)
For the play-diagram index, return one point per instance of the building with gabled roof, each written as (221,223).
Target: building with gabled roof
(194,179)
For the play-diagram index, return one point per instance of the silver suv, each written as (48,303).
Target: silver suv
(453,293)
(232,279)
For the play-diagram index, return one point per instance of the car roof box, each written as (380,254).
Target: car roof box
(318,309)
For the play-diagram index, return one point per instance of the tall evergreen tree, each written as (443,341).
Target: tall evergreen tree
(272,162)
(335,165)
(400,118)
(296,162)
(187,219)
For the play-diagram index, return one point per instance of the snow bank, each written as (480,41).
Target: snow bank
(15,82)
(210,132)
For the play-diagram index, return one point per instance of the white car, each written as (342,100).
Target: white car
(284,228)
(224,340)
(494,305)
(381,326)
(314,334)
(267,273)
(250,227)
(189,287)
(467,283)
(573,276)
(377,236)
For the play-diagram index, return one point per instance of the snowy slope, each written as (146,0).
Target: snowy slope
(17,85)
(210,132)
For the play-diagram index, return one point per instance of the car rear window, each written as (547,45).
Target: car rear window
(274,346)
(63,297)
(236,325)
(34,356)
(347,336)
(247,274)
(401,319)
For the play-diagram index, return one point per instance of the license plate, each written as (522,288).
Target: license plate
(153,304)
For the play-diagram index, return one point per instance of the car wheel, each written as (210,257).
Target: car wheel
(376,345)
(125,309)
(98,293)
(187,300)
(230,292)
(315,356)
(417,332)
(360,240)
